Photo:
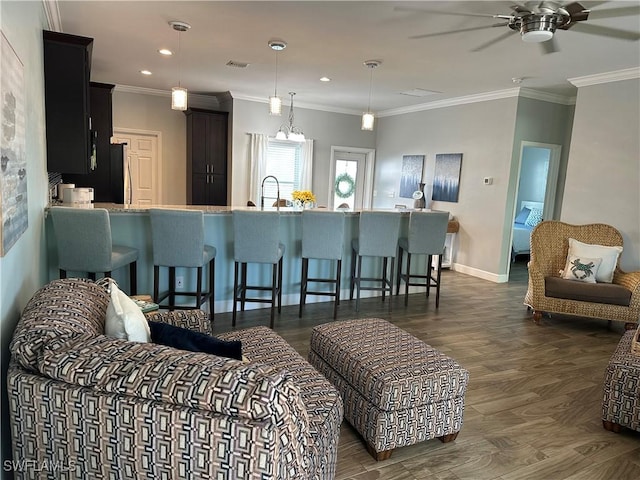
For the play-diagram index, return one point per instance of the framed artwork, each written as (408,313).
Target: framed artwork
(14,215)
(411,175)
(446,182)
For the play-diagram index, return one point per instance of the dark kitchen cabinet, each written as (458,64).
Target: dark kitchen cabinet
(67,70)
(206,157)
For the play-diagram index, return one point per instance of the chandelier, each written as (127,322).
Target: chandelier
(290,131)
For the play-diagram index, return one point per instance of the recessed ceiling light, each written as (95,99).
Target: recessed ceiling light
(145,72)
(165,51)
(325,79)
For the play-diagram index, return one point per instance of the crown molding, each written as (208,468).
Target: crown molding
(195,99)
(547,97)
(52,13)
(599,78)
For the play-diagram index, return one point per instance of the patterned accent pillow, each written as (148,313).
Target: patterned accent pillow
(534,218)
(581,269)
(609,256)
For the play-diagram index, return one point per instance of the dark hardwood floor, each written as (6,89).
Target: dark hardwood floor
(534,397)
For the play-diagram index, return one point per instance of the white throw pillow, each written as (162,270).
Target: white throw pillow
(609,256)
(581,269)
(124,318)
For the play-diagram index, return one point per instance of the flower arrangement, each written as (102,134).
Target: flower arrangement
(303,196)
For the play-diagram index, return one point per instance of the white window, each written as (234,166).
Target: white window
(284,161)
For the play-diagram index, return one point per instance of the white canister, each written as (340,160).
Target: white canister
(61,189)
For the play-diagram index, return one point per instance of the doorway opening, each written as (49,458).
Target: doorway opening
(536,190)
(142,165)
(351,177)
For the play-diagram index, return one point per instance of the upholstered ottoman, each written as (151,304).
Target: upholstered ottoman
(621,393)
(396,389)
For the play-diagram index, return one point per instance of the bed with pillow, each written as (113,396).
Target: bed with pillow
(528,217)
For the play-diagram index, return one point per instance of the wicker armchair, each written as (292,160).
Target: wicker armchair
(549,248)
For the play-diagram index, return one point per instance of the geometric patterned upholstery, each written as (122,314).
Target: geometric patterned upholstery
(621,398)
(107,408)
(396,389)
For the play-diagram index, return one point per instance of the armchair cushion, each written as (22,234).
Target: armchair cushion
(185,339)
(587,292)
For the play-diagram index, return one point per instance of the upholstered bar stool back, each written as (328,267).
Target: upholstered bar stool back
(256,239)
(377,237)
(322,239)
(178,241)
(83,238)
(427,236)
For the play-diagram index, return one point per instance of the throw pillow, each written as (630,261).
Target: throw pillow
(581,269)
(523,215)
(185,339)
(609,256)
(124,318)
(534,218)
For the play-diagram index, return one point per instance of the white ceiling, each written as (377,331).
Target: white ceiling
(334,38)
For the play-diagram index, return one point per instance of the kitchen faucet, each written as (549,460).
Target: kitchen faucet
(262,192)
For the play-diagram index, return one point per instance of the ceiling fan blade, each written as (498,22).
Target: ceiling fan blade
(615,12)
(520,9)
(499,38)
(441,12)
(550,46)
(470,29)
(606,31)
(574,8)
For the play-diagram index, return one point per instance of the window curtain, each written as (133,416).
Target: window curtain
(306,165)
(258,143)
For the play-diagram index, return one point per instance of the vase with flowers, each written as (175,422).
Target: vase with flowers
(303,198)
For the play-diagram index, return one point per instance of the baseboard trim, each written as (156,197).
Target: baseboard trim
(476,272)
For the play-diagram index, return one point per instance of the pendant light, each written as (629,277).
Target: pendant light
(275,102)
(368,118)
(179,94)
(290,131)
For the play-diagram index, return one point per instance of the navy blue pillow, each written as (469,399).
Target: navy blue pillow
(185,339)
(523,215)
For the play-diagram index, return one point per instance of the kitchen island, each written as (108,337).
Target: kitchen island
(130,226)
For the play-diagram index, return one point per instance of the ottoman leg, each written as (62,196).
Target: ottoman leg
(448,438)
(379,456)
(612,427)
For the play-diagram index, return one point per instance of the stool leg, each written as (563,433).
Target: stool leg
(429,265)
(359,275)
(212,286)
(438,276)
(156,279)
(92,276)
(243,286)
(353,272)
(274,283)
(63,273)
(337,299)
(172,287)
(235,294)
(384,277)
(303,285)
(199,287)
(400,254)
(407,280)
(133,277)
(280,285)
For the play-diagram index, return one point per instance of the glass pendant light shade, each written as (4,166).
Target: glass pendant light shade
(368,119)
(281,135)
(179,98)
(275,106)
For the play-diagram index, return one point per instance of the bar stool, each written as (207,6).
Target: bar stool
(378,237)
(256,239)
(178,241)
(83,237)
(427,235)
(322,239)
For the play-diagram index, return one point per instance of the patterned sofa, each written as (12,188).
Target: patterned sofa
(83,405)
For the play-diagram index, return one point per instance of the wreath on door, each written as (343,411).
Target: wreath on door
(345,185)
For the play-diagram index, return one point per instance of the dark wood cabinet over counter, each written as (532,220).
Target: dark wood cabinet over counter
(67,69)
(207,132)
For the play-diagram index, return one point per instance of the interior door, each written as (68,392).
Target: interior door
(141,167)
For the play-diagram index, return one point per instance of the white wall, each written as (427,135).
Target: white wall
(23,268)
(483,132)
(325,128)
(603,172)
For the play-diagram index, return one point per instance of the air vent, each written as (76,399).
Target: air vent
(233,63)
(419,92)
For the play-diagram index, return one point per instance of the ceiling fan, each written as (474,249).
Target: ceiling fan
(537,21)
